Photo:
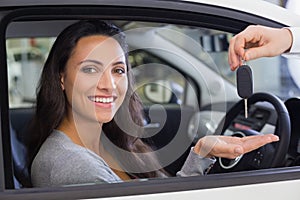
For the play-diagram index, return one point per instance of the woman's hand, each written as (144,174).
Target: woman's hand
(231,147)
(258,41)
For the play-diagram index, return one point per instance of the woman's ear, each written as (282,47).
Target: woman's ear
(62,81)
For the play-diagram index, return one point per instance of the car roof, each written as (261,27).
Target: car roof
(273,11)
(254,7)
(233,8)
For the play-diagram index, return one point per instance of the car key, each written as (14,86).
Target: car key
(244,84)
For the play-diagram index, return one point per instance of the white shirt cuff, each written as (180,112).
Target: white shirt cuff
(295,48)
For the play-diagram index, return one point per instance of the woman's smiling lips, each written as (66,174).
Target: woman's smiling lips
(103,101)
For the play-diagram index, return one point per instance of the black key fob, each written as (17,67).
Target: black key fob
(244,81)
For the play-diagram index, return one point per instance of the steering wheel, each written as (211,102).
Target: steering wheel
(269,155)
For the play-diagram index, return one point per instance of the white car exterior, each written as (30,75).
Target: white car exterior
(266,188)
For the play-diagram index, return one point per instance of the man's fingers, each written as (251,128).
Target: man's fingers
(233,57)
(257,52)
(237,50)
(242,43)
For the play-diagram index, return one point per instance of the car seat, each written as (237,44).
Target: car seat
(293,156)
(19,121)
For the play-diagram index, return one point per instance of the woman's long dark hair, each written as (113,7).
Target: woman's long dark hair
(51,103)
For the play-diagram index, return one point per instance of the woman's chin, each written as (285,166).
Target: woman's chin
(103,120)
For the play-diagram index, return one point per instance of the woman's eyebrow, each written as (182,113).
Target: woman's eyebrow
(100,63)
(93,61)
(119,63)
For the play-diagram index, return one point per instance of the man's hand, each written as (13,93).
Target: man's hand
(258,41)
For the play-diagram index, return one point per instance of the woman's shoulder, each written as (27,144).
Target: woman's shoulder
(61,162)
(58,147)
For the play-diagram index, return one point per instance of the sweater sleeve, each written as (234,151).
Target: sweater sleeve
(195,165)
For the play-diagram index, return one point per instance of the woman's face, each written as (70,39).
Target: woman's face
(95,80)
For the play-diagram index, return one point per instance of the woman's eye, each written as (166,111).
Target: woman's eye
(120,70)
(89,70)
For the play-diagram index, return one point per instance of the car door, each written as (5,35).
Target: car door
(176,83)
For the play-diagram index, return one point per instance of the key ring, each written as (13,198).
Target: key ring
(244,62)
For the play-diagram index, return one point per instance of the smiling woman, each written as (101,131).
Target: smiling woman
(87,72)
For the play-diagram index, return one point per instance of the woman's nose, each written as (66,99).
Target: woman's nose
(107,81)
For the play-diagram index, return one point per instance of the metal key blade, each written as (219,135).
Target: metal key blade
(246,107)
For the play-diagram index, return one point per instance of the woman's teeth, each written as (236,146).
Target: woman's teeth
(102,99)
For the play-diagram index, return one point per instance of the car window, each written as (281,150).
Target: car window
(173,64)
(25,59)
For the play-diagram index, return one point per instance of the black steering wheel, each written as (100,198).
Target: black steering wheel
(270,155)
